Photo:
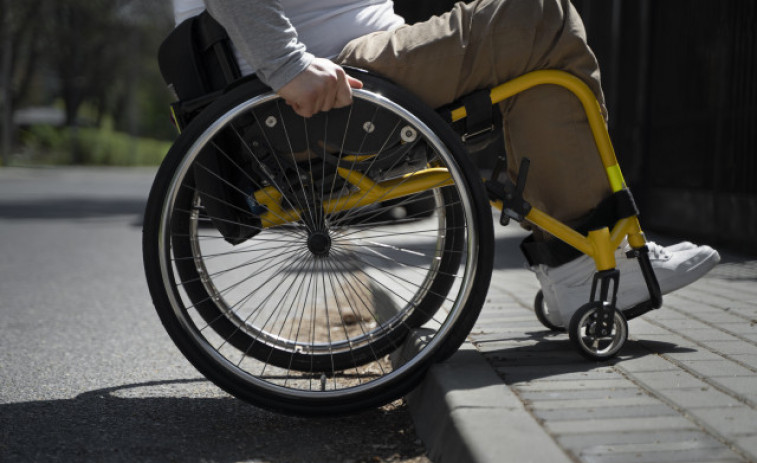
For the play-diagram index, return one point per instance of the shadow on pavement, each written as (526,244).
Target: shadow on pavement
(70,208)
(161,425)
(553,354)
(508,255)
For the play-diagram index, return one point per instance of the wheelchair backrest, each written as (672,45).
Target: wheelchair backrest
(197,62)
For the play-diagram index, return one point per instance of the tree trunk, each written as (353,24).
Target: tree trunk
(6,72)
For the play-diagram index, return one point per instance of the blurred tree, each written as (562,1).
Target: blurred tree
(20,52)
(139,102)
(86,48)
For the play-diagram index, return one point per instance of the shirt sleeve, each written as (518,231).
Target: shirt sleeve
(264,37)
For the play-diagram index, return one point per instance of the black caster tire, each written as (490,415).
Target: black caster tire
(541,309)
(594,339)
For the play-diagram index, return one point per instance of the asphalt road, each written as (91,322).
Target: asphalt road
(87,372)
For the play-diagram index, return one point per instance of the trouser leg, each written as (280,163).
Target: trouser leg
(487,42)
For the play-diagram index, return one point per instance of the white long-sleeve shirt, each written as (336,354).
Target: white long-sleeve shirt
(279,38)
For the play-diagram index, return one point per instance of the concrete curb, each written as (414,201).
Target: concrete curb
(464,413)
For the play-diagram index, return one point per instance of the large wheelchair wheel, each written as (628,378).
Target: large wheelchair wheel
(289,257)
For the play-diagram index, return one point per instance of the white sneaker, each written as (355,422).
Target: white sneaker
(567,287)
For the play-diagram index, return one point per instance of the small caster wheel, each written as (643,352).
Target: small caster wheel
(541,309)
(597,339)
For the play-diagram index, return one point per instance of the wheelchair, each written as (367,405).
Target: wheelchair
(322,265)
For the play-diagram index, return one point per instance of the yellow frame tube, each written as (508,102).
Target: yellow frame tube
(369,192)
(599,244)
(590,105)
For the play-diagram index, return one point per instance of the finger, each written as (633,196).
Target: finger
(311,101)
(331,94)
(354,83)
(301,110)
(327,101)
(344,96)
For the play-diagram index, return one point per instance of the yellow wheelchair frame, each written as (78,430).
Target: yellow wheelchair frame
(599,244)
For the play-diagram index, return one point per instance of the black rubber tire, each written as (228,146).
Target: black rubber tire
(166,220)
(583,326)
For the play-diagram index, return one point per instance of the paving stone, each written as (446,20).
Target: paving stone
(606,384)
(488,317)
(586,394)
(710,334)
(539,359)
(674,340)
(748,360)
(739,385)
(698,397)
(619,425)
(727,319)
(512,351)
(641,327)
(728,421)
(665,439)
(647,363)
(747,445)
(483,336)
(663,314)
(702,298)
(605,412)
(740,327)
(718,368)
(516,349)
(658,446)
(748,314)
(559,373)
(524,374)
(722,455)
(693,354)
(635,401)
(732,347)
(635,348)
(668,380)
(683,325)
(511,328)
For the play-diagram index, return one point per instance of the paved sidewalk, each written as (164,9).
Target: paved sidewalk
(683,389)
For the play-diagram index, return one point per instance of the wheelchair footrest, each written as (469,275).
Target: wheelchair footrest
(639,310)
(655,294)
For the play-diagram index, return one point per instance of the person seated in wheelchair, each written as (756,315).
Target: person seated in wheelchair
(298,47)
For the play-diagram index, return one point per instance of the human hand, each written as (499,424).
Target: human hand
(322,86)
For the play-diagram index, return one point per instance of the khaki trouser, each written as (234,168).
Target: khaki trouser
(484,43)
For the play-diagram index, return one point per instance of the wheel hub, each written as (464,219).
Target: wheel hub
(319,243)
